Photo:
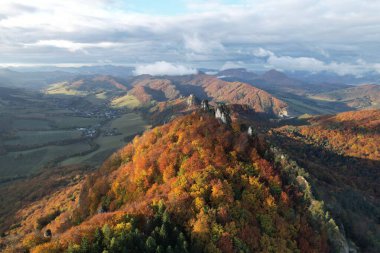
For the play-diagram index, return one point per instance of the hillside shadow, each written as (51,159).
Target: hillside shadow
(157,95)
(197,91)
(349,186)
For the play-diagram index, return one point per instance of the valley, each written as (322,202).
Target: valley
(42,131)
(96,152)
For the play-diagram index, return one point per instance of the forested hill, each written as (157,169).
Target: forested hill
(342,155)
(192,185)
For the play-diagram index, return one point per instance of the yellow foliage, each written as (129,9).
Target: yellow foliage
(52,247)
(201,226)
(254,181)
(270,201)
(32,240)
(199,203)
(123,227)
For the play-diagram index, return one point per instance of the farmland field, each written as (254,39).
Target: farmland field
(127,125)
(30,161)
(61,89)
(31,124)
(29,138)
(68,122)
(42,131)
(299,105)
(128,101)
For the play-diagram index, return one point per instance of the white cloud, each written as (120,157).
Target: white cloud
(357,68)
(61,65)
(195,44)
(323,52)
(162,68)
(207,33)
(74,46)
(261,52)
(232,65)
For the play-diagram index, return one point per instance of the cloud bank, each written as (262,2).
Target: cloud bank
(357,68)
(163,68)
(300,34)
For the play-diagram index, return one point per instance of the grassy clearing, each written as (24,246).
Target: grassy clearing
(299,105)
(31,124)
(107,145)
(128,101)
(33,112)
(74,122)
(302,107)
(43,137)
(62,89)
(98,98)
(27,162)
(129,123)
(322,98)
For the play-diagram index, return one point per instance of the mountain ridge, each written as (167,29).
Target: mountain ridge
(220,177)
(148,90)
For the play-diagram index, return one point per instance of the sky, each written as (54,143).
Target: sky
(340,36)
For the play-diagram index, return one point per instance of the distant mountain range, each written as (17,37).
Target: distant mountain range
(32,80)
(277,82)
(118,71)
(305,97)
(40,77)
(263,91)
(305,76)
(333,78)
(147,90)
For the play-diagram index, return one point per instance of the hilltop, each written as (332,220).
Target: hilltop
(146,91)
(192,185)
(86,85)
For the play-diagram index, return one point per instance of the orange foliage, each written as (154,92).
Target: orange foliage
(211,179)
(354,134)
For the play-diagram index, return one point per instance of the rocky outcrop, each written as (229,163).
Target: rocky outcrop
(204,105)
(251,132)
(192,101)
(221,113)
(283,113)
(232,93)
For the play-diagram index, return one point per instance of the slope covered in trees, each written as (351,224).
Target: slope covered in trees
(147,90)
(193,185)
(342,155)
(355,134)
(233,93)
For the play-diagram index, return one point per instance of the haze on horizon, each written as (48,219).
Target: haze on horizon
(340,36)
